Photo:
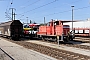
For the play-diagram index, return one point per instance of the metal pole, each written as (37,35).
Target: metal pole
(72,17)
(30,21)
(12,14)
(27,20)
(44,20)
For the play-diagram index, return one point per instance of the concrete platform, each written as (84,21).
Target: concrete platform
(20,53)
(71,49)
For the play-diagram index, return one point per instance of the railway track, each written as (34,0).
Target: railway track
(75,43)
(78,46)
(83,39)
(56,53)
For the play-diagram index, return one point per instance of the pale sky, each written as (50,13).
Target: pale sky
(36,10)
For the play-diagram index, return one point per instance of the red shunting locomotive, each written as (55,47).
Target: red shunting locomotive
(54,30)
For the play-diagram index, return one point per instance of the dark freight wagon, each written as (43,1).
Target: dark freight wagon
(12,29)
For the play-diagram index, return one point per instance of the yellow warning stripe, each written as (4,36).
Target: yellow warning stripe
(27,28)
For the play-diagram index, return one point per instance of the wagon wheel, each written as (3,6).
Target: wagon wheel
(43,38)
(67,39)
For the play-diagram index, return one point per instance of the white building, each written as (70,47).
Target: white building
(80,27)
(79,24)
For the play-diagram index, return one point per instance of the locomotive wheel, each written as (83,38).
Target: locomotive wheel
(66,40)
(71,39)
(43,38)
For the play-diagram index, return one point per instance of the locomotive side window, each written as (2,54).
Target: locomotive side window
(35,29)
(56,23)
(48,24)
(26,26)
(66,26)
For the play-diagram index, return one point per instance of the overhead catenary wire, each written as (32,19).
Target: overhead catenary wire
(7,16)
(70,10)
(26,2)
(9,4)
(3,0)
(7,9)
(54,7)
(56,12)
(76,1)
(30,4)
(43,5)
(40,6)
(65,11)
(61,5)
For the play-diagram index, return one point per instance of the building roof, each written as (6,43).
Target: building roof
(79,24)
(10,22)
(5,23)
